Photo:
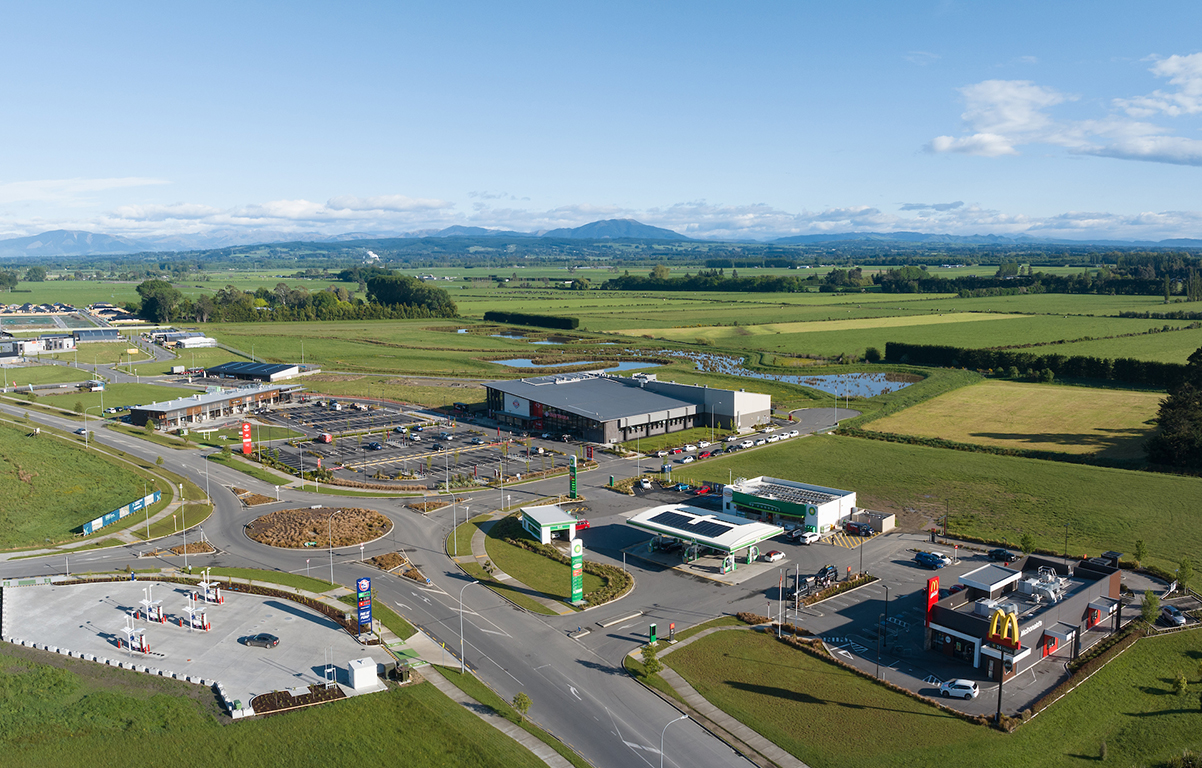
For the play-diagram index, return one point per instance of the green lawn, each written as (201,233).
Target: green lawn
(506,590)
(43,374)
(233,436)
(49,486)
(830,717)
(78,713)
(992,496)
(190,358)
(192,514)
(553,579)
(385,615)
(245,467)
(276,577)
(117,395)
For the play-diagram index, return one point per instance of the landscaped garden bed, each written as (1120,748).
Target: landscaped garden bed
(299,528)
(282,701)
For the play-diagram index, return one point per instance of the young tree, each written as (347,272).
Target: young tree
(1026,543)
(79,406)
(522,702)
(1151,607)
(1141,552)
(651,663)
(1185,572)
(1180,684)
(872,355)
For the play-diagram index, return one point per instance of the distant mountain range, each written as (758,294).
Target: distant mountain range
(64,242)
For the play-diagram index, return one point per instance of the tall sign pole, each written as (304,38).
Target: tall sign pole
(363,593)
(572,476)
(577,571)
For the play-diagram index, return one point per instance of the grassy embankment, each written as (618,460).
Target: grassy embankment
(809,707)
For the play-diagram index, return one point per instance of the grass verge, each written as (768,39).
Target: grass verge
(192,514)
(277,577)
(388,617)
(248,469)
(476,571)
(540,573)
(475,688)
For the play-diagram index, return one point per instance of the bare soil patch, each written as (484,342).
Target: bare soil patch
(250,498)
(280,701)
(294,528)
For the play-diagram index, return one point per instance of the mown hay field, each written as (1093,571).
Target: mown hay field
(1113,423)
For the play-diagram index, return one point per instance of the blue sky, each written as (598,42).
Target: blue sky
(749,120)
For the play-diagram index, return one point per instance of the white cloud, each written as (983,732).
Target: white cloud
(1185,72)
(399,203)
(932,206)
(921,58)
(1002,115)
(165,212)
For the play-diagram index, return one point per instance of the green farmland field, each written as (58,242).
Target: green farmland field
(49,486)
(1106,422)
(117,395)
(828,716)
(996,497)
(44,374)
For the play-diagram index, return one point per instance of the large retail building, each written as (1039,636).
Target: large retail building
(614,409)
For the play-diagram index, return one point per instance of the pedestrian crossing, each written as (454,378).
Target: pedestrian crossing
(841,539)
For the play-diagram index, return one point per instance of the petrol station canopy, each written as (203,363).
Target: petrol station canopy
(719,531)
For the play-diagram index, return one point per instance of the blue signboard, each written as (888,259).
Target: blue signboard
(363,593)
(117,514)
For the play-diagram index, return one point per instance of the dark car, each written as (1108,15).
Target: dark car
(1001,555)
(375,446)
(827,574)
(263,639)
(929,560)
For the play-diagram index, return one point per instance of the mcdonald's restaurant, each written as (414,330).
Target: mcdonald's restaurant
(1005,619)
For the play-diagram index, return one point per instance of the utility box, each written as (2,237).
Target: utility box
(362,673)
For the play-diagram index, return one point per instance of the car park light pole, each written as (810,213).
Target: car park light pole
(462,658)
(886,614)
(663,733)
(880,630)
(85,423)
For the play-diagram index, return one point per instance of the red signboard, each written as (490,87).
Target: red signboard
(246,445)
(932,596)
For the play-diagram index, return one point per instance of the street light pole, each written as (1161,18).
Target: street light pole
(886,586)
(462,650)
(330,533)
(664,733)
(880,630)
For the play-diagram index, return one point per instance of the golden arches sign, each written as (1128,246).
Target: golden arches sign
(1003,629)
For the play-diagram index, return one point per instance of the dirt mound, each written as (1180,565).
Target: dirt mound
(387,562)
(195,548)
(294,528)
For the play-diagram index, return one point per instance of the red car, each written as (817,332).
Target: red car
(676,451)
(703,490)
(582,524)
(705,454)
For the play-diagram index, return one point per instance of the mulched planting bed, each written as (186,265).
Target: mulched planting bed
(195,548)
(387,562)
(250,498)
(430,506)
(279,701)
(293,528)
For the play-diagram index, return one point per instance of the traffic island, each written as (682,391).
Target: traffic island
(301,528)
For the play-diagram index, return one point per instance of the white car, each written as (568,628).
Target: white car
(761,441)
(746,444)
(645,483)
(81,431)
(690,447)
(965,689)
(773,556)
(732,438)
(688,460)
(792,433)
(805,537)
(703,443)
(661,454)
(774,439)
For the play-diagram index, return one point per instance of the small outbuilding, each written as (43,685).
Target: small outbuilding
(545,521)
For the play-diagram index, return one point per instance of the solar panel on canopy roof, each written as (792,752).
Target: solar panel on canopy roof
(692,525)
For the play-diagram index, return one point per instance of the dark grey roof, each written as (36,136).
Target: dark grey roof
(603,398)
(94,333)
(246,368)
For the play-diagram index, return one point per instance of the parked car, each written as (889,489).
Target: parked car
(582,524)
(690,447)
(263,639)
(761,441)
(705,454)
(545,435)
(81,431)
(704,490)
(805,537)
(439,447)
(732,438)
(774,438)
(965,689)
(419,428)
(746,444)
(375,446)
(661,453)
(415,438)
(477,441)
(399,429)
(645,484)
(703,443)
(792,433)
(676,451)
(688,460)
(1001,555)
(1172,616)
(858,529)
(827,574)
(929,560)
(773,555)
(956,588)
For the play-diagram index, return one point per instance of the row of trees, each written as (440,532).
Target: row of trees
(1009,279)
(1126,370)
(389,297)
(1178,441)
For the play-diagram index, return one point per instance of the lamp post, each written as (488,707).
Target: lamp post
(880,630)
(663,733)
(85,424)
(462,659)
(886,586)
(330,532)
(1066,542)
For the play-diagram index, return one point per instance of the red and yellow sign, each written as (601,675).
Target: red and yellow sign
(932,596)
(1003,630)
(246,444)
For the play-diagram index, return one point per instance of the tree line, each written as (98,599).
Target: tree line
(1126,370)
(389,297)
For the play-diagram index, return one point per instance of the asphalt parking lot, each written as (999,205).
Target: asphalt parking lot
(89,618)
